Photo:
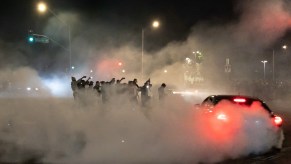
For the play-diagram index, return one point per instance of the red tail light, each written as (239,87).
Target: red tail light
(277,120)
(239,100)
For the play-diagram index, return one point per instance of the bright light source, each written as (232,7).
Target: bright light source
(184,93)
(221,117)
(264,61)
(165,71)
(284,47)
(156,24)
(239,100)
(30,39)
(119,63)
(278,120)
(123,71)
(28,89)
(41,7)
(188,60)
(57,87)
(91,70)
(73,67)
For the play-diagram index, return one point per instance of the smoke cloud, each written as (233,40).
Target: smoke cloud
(61,130)
(50,125)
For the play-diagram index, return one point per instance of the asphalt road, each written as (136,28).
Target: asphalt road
(282,157)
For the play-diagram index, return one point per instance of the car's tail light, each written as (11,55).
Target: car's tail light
(277,120)
(239,100)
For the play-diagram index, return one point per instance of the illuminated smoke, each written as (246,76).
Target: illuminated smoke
(257,26)
(62,131)
(259,18)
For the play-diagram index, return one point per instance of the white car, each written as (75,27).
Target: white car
(229,117)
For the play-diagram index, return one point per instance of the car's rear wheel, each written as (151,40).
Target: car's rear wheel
(280,140)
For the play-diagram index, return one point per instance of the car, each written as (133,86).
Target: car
(229,117)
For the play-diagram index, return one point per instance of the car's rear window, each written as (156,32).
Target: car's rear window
(248,101)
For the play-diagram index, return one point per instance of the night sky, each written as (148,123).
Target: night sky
(243,30)
(177,17)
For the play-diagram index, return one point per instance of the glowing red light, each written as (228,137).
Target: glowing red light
(119,63)
(278,120)
(239,100)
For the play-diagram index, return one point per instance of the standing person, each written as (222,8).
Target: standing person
(119,81)
(119,87)
(135,83)
(161,91)
(135,90)
(145,93)
(97,88)
(75,86)
(132,91)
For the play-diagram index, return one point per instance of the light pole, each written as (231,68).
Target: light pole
(264,62)
(42,7)
(155,24)
(273,65)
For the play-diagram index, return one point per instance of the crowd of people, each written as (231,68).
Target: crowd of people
(107,91)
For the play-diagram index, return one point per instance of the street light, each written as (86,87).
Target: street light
(155,24)
(42,8)
(284,47)
(264,62)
